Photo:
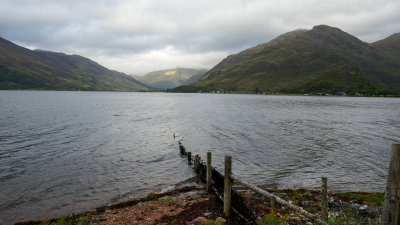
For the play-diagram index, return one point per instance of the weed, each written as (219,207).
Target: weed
(265,199)
(274,219)
(210,222)
(302,190)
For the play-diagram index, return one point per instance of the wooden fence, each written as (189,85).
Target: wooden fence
(221,184)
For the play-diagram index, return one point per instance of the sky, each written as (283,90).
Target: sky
(140,36)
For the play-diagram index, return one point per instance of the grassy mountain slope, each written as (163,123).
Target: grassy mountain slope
(21,68)
(171,78)
(324,59)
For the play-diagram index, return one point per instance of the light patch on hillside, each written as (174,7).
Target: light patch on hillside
(170,73)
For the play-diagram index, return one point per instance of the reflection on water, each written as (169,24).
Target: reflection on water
(64,152)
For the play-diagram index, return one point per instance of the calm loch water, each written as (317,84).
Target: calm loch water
(65,152)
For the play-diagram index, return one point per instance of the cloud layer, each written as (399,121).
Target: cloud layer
(140,36)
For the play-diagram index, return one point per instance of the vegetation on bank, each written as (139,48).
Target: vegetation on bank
(362,92)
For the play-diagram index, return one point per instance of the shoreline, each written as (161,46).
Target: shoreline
(221,93)
(189,203)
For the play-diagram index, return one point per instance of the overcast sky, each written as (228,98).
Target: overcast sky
(139,36)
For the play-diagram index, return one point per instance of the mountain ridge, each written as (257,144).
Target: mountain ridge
(324,59)
(170,78)
(22,68)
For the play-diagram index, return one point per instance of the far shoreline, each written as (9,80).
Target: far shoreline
(215,93)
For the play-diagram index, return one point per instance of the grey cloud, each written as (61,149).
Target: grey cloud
(140,35)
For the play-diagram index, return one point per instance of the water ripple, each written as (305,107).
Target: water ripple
(64,152)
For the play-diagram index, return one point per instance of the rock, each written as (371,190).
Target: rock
(177,206)
(296,218)
(198,221)
(98,220)
(220,220)
(202,192)
(304,203)
(256,195)
(206,214)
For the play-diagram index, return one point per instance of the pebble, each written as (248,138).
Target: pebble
(304,203)
(220,220)
(206,214)
(98,220)
(198,221)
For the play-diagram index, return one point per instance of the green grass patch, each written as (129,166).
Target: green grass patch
(371,198)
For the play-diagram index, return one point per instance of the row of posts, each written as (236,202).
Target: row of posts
(391,205)
(227,178)
(228,184)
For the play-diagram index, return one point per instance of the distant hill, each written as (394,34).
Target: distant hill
(322,60)
(165,79)
(21,68)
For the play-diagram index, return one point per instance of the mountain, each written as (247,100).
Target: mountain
(165,79)
(22,68)
(322,60)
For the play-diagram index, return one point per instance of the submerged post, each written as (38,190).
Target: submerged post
(181,148)
(189,155)
(209,172)
(324,204)
(227,186)
(391,204)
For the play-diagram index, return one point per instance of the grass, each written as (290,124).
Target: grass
(274,219)
(210,222)
(371,198)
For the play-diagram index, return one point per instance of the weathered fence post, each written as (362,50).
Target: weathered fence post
(324,205)
(209,172)
(391,204)
(273,204)
(227,186)
(197,163)
(189,155)
(182,148)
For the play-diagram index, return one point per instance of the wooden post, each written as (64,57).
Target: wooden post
(209,172)
(324,204)
(391,203)
(189,158)
(273,204)
(181,148)
(227,186)
(197,163)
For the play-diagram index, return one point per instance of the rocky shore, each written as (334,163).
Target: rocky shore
(189,203)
